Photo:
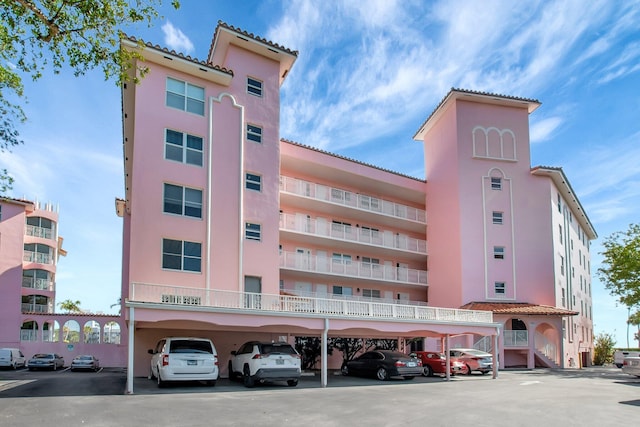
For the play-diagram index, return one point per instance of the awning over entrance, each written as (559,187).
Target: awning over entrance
(519,308)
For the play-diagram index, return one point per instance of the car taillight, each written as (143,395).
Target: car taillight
(165,360)
(215,360)
(419,362)
(400,363)
(257,356)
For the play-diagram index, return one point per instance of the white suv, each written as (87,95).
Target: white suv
(265,361)
(184,359)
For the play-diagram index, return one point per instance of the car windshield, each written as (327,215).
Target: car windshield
(190,346)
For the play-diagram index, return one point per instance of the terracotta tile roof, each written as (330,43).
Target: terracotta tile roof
(349,159)
(519,308)
(180,55)
(251,36)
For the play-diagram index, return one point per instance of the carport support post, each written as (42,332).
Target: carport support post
(132,328)
(447,355)
(323,354)
(495,354)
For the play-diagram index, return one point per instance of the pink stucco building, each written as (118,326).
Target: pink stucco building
(30,247)
(233,233)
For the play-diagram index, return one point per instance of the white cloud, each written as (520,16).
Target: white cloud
(175,39)
(543,129)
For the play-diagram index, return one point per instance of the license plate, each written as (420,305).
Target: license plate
(279,361)
(192,362)
(411,364)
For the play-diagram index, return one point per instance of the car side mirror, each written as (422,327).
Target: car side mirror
(233,353)
(150,351)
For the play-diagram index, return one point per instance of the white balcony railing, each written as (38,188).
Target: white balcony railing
(385,239)
(35,231)
(546,347)
(246,301)
(36,308)
(515,338)
(33,283)
(307,294)
(362,270)
(40,258)
(353,200)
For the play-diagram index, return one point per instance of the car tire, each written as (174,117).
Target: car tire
(232,375)
(484,372)
(344,370)
(247,378)
(468,370)
(160,381)
(427,371)
(382,374)
(292,383)
(55,367)
(151,376)
(212,383)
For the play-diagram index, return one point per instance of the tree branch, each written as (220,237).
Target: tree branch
(52,28)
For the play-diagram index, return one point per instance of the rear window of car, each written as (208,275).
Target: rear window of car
(43,356)
(190,346)
(277,348)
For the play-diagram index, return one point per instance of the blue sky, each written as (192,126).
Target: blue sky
(386,63)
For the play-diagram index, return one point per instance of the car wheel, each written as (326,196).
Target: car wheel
(247,379)
(232,376)
(151,376)
(55,367)
(344,370)
(427,371)
(292,383)
(483,372)
(382,374)
(161,382)
(212,383)
(468,370)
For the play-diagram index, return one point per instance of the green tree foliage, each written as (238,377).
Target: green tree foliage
(620,271)
(39,35)
(69,306)
(310,348)
(603,349)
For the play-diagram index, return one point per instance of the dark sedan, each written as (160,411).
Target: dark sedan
(383,364)
(45,361)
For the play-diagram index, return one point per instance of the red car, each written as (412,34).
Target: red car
(434,363)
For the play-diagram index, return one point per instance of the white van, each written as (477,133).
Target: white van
(12,358)
(619,355)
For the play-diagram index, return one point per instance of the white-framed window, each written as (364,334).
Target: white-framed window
(182,201)
(182,147)
(369,203)
(559,203)
(252,231)
(372,261)
(560,232)
(254,133)
(342,290)
(371,293)
(561,265)
(496,183)
(498,252)
(341,258)
(253,181)
(497,218)
(499,288)
(185,96)
(340,196)
(181,255)
(254,86)
(564,302)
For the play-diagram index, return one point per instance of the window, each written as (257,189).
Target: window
(183,147)
(252,231)
(497,218)
(254,133)
(561,265)
(496,183)
(342,290)
(182,201)
(559,203)
(563,298)
(368,260)
(371,293)
(560,233)
(341,258)
(498,252)
(499,288)
(185,96)
(181,255)
(253,182)
(254,87)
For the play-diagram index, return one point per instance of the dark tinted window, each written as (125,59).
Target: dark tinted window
(190,346)
(277,348)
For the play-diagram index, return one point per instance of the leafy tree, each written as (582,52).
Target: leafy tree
(310,348)
(603,349)
(349,347)
(384,344)
(69,306)
(620,271)
(36,35)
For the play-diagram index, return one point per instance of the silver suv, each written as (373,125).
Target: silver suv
(265,361)
(184,359)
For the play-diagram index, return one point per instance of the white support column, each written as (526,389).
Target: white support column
(447,355)
(495,354)
(323,354)
(130,351)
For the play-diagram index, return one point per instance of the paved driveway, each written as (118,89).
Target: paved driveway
(588,397)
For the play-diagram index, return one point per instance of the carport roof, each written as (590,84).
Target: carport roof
(519,308)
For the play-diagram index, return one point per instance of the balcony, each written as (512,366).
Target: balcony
(248,302)
(37,257)
(354,269)
(36,308)
(326,229)
(515,338)
(41,284)
(28,335)
(341,197)
(35,231)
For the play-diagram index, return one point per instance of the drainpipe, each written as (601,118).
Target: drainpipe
(132,328)
(323,354)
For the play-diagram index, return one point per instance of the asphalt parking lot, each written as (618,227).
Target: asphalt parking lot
(588,397)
